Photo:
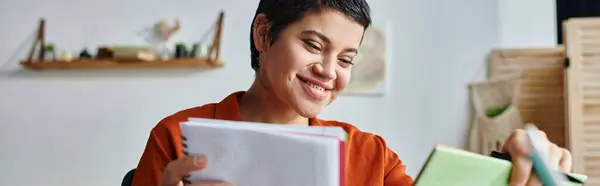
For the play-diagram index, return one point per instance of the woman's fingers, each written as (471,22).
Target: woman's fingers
(566,162)
(516,146)
(560,158)
(554,155)
(521,171)
(534,181)
(177,169)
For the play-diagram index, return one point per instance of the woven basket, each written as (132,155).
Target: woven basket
(496,113)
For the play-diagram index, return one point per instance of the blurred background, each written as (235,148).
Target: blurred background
(63,126)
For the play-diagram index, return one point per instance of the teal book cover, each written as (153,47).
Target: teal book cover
(447,166)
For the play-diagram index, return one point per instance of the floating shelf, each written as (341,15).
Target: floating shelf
(112,64)
(210,61)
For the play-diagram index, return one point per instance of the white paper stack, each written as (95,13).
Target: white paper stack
(257,154)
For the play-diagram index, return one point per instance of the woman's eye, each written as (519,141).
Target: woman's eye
(311,45)
(349,62)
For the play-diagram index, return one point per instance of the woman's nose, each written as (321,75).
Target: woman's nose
(326,70)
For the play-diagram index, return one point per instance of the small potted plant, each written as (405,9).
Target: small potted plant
(180,50)
(49,52)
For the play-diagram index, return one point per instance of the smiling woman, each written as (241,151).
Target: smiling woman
(302,52)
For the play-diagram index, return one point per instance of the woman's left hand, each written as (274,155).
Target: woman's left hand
(518,147)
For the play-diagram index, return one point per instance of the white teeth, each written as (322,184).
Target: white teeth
(316,87)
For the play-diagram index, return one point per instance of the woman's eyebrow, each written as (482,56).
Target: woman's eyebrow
(320,35)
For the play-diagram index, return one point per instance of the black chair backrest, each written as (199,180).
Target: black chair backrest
(128,179)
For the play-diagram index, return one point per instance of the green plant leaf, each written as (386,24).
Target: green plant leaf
(496,110)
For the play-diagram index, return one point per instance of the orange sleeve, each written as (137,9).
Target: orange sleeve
(153,161)
(395,170)
(397,173)
(164,146)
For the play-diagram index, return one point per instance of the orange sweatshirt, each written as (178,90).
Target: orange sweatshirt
(369,161)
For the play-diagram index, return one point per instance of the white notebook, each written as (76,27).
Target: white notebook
(255,154)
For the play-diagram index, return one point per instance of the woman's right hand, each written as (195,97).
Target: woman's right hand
(177,169)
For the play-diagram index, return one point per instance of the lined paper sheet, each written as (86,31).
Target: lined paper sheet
(251,157)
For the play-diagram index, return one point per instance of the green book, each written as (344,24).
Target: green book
(447,166)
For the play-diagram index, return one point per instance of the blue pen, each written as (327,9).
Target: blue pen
(540,159)
(506,156)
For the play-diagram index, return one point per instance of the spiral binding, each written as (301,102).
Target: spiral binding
(186,178)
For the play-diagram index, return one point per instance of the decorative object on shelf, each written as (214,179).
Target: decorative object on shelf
(199,50)
(194,51)
(65,56)
(158,35)
(165,30)
(132,53)
(181,51)
(114,57)
(84,54)
(49,52)
(105,52)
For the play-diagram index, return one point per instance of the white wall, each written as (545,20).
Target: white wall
(461,34)
(527,23)
(73,128)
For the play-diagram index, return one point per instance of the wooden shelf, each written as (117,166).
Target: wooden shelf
(112,64)
(210,61)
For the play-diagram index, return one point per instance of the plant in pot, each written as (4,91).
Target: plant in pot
(49,52)
(180,50)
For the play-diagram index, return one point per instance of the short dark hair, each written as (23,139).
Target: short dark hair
(282,13)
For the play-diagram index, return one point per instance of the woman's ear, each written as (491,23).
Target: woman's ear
(260,30)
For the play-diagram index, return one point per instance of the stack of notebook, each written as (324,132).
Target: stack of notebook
(244,153)
(248,154)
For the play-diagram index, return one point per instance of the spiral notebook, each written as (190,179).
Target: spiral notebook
(249,154)
(448,166)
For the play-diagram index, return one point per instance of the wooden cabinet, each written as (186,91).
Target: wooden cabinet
(582,39)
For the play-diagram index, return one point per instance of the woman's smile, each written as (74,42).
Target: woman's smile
(315,89)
